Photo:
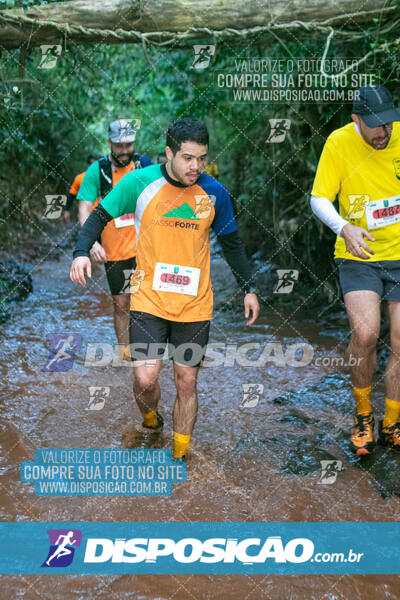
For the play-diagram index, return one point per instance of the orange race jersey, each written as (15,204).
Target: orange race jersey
(172,277)
(77,184)
(119,236)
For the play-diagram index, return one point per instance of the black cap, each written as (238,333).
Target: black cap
(374,104)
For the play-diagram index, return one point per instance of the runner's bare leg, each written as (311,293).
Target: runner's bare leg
(185,407)
(121,317)
(146,388)
(392,375)
(363,309)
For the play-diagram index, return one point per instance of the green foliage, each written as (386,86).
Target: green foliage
(52,119)
(26,4)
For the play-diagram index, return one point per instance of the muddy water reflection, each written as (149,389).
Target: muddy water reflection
(259,463)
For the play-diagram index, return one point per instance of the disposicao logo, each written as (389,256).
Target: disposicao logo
(191,550)
(63,349)
(62,547)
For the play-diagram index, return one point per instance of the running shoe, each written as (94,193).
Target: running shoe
(160,424)
(389,436)
(362,434)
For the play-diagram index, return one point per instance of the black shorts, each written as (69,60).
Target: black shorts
(150,335)
(382,277)
(118,274)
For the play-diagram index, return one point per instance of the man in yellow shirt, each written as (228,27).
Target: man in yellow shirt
(360,164)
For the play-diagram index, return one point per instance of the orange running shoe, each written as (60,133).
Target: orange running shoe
(389,436)
(362,434)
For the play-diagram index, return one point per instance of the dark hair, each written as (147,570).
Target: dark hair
(186,129)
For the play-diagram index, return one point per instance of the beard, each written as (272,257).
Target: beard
(182,178)
(124,162)
(380,143)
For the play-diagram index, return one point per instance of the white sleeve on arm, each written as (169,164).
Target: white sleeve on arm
(325,211)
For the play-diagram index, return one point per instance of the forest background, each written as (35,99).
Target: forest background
(50,120)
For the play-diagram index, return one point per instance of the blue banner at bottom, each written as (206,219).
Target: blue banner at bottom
(200,548)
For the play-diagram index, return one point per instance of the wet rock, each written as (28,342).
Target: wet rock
(296,417)
(383,466)
(330,392)
(292,454)
(15,284)
(303,456)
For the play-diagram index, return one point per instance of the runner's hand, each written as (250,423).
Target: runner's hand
(251,305)
(66,216)
(98,253)
(354,238)
(78,268)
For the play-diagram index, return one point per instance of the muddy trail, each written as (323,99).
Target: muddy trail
(249,461)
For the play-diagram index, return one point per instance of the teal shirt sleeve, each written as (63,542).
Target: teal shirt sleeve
(90,186)
(123,197)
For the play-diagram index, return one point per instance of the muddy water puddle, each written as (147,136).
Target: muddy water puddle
(258,460)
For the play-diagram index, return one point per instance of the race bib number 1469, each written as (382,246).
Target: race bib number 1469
(176,278)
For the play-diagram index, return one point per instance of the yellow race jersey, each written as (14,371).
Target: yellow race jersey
(367,183)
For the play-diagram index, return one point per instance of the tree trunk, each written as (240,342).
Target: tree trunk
(120,21)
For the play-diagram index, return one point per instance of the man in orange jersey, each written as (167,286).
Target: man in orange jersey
(117,249)
(176,204)
(73,192)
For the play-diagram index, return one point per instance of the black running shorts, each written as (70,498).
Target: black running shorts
(150,335)
(382,277)
(118,274)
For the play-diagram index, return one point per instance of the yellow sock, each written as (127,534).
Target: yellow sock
(124,352)
(362,398)
(181,443)
(150,418)
(392,412)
